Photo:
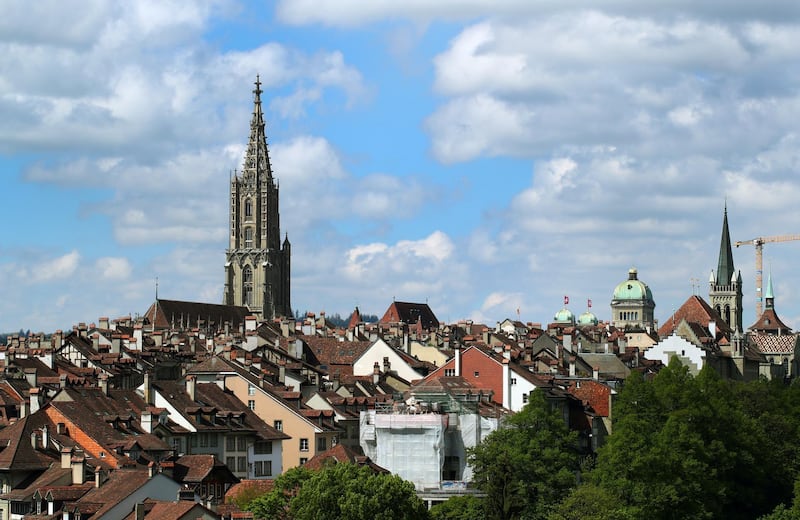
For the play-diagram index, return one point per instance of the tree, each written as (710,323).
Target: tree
(591,502)
(684,447)
(348,491)
(466,507)
(339,492)
(275,504)
(527,467)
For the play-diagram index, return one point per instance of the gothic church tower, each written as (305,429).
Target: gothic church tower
(725,287)
(257,265)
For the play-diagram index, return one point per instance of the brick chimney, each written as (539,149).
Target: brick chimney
(102,382)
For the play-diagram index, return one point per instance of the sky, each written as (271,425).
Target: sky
(486,157)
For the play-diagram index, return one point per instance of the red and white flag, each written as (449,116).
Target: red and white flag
(590,304)
(566,300)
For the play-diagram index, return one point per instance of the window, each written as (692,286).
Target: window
(177,445)
(278,424)
(248,208)
(251,390)
(263,468)
(248,237)
(477,374)
(303,460)
(231,463)
(241,464)
(303,444)
(203,440)
(524,398)
(449,372)
(322,444)
(251,404)
(334,441)
(213,438)
(263,448)
(230,443)
(242,443)
(513,380)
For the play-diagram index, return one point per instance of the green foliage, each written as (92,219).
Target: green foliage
(697,447)
(347,491)
(526,468)
(338,492)
(467,507)
(590,502)
(276,503)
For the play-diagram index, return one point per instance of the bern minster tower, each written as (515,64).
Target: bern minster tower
(257,264)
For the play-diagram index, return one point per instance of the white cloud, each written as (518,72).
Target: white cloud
(55,269)
(113,268)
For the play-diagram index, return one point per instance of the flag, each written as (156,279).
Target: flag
(566,300)
(590,304)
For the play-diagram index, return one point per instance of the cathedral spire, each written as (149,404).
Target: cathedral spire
(257,158)
(725,269)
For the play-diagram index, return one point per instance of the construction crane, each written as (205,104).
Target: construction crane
(759,245)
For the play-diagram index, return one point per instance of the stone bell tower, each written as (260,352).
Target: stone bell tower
(257,264)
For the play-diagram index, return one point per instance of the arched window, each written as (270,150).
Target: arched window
(248,208)
(248,237)
(727,316)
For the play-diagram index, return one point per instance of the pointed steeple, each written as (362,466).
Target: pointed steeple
(256,160)
(769,296)
(725,269)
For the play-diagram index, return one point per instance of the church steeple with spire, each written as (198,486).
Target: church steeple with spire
(257,267)
(725,286)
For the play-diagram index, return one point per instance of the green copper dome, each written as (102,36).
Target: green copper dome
(564,316)
(632,289)
(587,318)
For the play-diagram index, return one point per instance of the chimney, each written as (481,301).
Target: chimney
(282,373)
(190,386)
(151,469)
(386,365)
(116,343)
(596,373)
(35,439)
(66,457)
(82,329)
(506,384)
(568,343)
(78,464)
(58,339)
(62,381)
(138,336)
(30,376)
(376,373)
(148,388)
(96,341)
(572,366)
(35,398)
(103,323)
(147,421)
(457,350)
(98,476)
(45,437)
(102,382)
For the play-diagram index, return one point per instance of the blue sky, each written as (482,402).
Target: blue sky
(483,156)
